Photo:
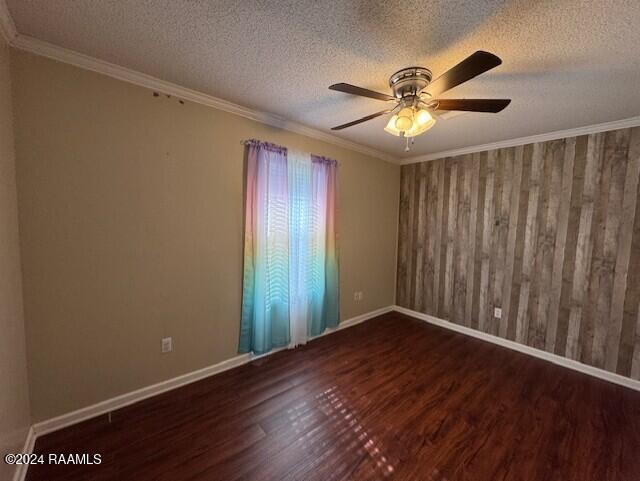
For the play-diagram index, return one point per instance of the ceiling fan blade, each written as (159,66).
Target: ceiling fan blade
(474,105)
(362,92)
(363,119)
(469,68)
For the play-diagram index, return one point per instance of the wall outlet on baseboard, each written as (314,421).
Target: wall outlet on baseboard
(358,296)
(167,344)
(497,312)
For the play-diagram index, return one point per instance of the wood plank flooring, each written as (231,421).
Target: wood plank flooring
(392,398)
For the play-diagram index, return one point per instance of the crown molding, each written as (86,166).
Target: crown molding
(46,49)
(7,26)
(558,134)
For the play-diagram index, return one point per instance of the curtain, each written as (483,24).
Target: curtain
(290,279)
(265,285)
(301,229)
(324,261)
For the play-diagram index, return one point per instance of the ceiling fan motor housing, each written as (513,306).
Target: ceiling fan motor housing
(410,81)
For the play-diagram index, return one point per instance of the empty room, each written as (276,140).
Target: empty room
(319,240)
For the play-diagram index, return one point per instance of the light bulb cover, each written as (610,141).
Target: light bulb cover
(418,129)
(405,119)
(404,123)
(391,126)
(423,117)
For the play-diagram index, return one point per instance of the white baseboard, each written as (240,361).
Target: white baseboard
(132,397)
(356,320)
(103,407)
(21,469)
(547,356)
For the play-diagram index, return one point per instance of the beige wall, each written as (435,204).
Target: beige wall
(548,232)
(14,396)
(131,230)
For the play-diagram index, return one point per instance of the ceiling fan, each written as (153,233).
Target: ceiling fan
(415,95)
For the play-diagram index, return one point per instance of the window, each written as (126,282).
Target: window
(290,279)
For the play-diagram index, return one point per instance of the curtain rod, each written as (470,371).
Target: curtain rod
(250,141)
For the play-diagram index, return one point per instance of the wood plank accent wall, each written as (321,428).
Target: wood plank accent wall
(549,232)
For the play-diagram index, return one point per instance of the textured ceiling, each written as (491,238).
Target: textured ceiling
(566,63)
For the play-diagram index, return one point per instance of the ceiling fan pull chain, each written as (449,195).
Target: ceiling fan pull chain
(407,148)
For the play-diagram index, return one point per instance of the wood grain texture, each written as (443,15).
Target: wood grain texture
(566,294)
(438,235)
(392,398)
(629,348)
(585,285)
(635,366)
(501,231)
(475,302)
(432,220)
(449,271)
(413,217)
(418,289)
(487,239)
(546,241)
(562,226)
(549,232)
(529,250)
(444,237)
(622,253)
(510,254)
(474,172)
(464,206)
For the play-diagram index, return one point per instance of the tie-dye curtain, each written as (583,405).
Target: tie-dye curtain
(290,284)
(265,294)
(325,302)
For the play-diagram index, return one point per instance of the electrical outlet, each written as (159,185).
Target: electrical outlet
(358,296)
(497,312)
(167,344)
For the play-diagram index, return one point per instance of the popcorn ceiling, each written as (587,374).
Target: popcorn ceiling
(566,63)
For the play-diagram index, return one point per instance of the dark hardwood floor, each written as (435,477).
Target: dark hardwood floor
(392,398)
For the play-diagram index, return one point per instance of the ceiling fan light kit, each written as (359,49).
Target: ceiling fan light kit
(410,123)
(414,92)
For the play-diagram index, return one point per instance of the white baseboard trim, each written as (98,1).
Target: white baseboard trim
(547,356)
(21,469)
(103,407)
(356,320)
